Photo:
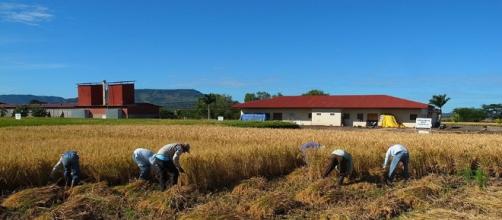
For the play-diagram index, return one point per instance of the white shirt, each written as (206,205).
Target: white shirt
(392,151)
(59,165)
(143,157)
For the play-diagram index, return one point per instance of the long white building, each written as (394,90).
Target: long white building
(340,110)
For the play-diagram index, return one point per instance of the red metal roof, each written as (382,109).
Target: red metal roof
(337,101)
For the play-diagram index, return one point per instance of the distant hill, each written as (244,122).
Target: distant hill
(169,98)
(25,99)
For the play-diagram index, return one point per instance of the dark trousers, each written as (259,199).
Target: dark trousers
(343,168)
(71,168)
(163,167)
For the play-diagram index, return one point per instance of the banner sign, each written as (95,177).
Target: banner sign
(423,123)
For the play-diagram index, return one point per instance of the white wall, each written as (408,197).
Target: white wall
(327,117)
(56,113)
(333,117)
(8,112)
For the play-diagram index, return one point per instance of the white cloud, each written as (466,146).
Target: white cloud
(25,14)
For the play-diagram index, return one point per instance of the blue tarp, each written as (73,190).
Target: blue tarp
(253,117)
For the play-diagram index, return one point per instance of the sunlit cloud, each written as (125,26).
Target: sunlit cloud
(24,13)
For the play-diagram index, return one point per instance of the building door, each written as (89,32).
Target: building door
(346,119)
(372,120)
(277,116)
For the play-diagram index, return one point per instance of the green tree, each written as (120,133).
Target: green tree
(468,114)
(3,112)
(279,94)
(23,110)
(263,95)
(222,106)
(38,112)
(165,113)
(493,111)
(208,99)
(315,92)
(250,97)
(34,101)
(189,113)
(439,101)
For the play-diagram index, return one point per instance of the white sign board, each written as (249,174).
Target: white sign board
(18,116)
(220,118)
(424,123)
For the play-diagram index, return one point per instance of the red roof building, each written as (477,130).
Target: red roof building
(99,100)
(338,110)
(335,101)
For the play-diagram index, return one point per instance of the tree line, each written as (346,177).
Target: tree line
(212,105)
(486,112)
(33,109)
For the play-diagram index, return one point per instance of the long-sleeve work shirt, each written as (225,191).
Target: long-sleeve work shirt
(393,151)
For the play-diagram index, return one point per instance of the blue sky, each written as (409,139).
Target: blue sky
(409,49)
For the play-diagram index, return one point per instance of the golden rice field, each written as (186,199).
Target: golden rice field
(254,173)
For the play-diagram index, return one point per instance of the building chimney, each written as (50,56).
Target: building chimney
(105,92)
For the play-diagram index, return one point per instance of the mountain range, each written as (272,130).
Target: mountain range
(168,98)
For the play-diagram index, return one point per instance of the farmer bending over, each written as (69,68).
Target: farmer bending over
(342,162)
(304,148)
(69,162)
(399,153)
(144,159)
(167,160)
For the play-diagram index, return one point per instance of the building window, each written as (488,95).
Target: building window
(318,113)
(372,117)
(360,117)
(310,115)
(332,114)
(277,116)
(413,117)
(345,116)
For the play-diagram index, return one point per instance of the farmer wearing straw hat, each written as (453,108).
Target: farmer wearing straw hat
(399,153)
(69,161)
(167,159)
(144,159)
(340,160)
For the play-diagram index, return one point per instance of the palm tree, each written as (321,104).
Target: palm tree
(439,101)
(208,99)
